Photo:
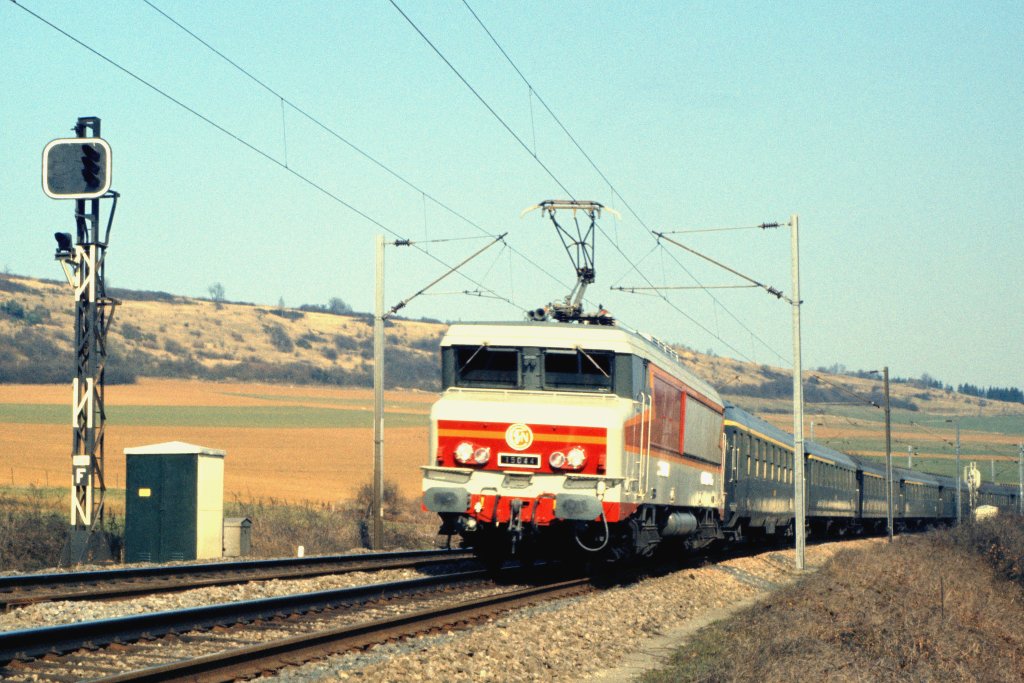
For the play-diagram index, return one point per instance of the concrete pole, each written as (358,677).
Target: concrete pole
(799,510)
(959,476)
(888,452)
(377,509)
(1020,475)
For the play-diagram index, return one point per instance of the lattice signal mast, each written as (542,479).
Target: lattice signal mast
(579,244)
(79,168)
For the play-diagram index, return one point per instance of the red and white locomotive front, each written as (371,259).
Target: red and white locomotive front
(543,436)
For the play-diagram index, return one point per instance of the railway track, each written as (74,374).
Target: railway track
(225,641)
(27,589)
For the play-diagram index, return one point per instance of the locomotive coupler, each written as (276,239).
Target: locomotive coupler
(515,522)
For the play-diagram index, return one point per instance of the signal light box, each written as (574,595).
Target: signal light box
(174,502)
(76,168)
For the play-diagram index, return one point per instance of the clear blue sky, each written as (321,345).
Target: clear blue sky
(892,129)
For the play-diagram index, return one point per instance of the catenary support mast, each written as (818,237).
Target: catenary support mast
(799,498)
(84,265)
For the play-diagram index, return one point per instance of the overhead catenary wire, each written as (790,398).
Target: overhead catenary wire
(732,315)
(320,188)
(557,181)
(605,178)
(768,288)
(355,148)
(404,302)
(762,226)
(480,97)
(674,287)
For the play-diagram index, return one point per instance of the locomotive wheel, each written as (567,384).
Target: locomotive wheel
(491,548)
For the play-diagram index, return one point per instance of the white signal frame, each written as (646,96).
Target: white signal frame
(96,194)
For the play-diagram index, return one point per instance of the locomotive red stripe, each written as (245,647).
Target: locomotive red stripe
(482,434)
(543,509)
(494,429)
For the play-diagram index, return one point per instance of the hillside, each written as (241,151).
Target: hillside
(159,335)
(156,334)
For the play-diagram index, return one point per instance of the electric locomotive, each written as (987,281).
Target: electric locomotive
(553,436)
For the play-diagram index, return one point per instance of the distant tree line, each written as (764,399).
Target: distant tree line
(1009,394)
(926,381)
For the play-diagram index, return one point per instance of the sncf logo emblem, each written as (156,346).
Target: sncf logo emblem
(519,436)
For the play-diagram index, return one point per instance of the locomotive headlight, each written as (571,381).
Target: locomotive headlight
(481,455)
(576,458)
(464,452)
(557,460)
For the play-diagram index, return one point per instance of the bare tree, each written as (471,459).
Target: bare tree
(216,291)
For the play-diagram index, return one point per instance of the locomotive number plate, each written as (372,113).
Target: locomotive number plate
(518,460)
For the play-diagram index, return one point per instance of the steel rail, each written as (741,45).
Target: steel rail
(252,660)
(33,643)
(26,589)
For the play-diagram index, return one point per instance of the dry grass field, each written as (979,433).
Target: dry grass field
(941,606)
(264,460)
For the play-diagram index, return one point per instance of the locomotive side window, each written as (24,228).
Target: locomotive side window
(668,402)
(578,369)
(702,425)
(483,366)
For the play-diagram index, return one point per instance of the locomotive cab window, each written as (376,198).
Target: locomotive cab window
(578,370)
(484,366)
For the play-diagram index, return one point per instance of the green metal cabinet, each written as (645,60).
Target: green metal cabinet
(174,502)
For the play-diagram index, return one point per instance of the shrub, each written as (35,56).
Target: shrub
(32,531)
(345,343)
(174,348)
(288,314)
(13,309)
(38,315)
(279,338)
(431,344)
(278,527)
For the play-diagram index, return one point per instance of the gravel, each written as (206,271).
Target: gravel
(601,636)
(583,638)
(68,612)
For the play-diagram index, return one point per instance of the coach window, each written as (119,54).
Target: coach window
(484,366)
(746,452)
(578,370)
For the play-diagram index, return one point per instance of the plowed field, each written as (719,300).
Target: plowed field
(287,443)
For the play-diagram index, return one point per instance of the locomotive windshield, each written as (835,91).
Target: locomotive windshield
(578,369)
(484,366)
(535,368)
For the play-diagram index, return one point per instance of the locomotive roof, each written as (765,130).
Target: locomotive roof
(553,335)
